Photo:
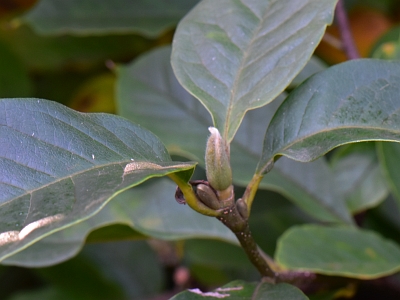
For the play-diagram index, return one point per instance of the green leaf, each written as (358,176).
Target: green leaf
(359,177)
(58,167)
(240,290)
(339,251)
(239,55)
(351,102)
(147,90)
(71,52)
(150,209)
(391,38)
(89,17)
(313,66)
(389,154)
(312,187)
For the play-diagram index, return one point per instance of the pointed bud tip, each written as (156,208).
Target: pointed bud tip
(213,130)
(218,169)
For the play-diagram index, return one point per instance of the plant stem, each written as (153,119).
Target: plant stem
(251,191)
(240,227)
(348,44)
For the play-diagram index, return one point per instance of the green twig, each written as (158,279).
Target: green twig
(251,191)
(191,198)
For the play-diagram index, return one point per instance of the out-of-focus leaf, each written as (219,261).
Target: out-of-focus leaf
(340,251)
(359,178)
(48,293)
(240,290)
(96,95)
(71,53)
(91,17)
(80,278)
(14,79)
(59,167)
(150,209)
(239,55)
(389,38)
(389,154)
(132,266)
(351,102)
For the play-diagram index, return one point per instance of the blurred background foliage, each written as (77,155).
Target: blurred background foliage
(117,262)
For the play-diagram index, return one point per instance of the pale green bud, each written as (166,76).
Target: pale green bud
(218,167)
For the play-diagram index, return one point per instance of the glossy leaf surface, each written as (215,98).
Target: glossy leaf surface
(351,102)
(59,167)
(240,290)
(239,55)
(150,209)
(85,17)
(340,251)
(147,90)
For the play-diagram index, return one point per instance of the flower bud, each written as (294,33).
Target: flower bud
(218,168)
(207,196)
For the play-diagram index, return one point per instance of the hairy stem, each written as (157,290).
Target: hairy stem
(240,227)
(348,44)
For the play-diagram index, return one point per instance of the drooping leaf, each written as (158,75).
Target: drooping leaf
(351,102)
(359,178)
(58,167)
(239,55)
(150,209)
(240,290)
(341,251)
(89,17)
(147,90)
(389,154)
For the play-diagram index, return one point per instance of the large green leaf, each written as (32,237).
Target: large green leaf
(85,17)
(341,251)
(149,209)
(351,102)
(58,167)
(389,154)
(240,290)
(238,55)
(147,90)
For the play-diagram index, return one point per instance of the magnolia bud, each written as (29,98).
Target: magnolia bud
(207,196)
(218,167)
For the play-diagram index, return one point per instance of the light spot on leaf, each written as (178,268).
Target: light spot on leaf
(238,288)
(8,237)
(39,223)
(209,294)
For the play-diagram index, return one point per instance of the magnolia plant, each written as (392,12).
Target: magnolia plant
(65,173)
